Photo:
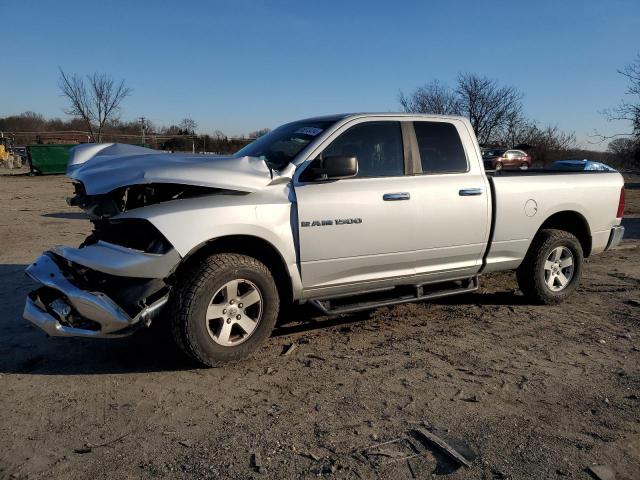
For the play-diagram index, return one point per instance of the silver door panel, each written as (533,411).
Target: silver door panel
(451,229)
(331,248)
(341,271)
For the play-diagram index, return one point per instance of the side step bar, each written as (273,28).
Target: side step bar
(419,294)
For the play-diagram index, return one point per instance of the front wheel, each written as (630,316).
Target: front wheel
(498,166)
(552,268)
(224,309)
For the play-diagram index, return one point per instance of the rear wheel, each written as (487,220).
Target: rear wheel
(224,309)
(524,166)
(498,165)
(552,268)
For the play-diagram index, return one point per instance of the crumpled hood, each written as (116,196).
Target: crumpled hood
(104,167)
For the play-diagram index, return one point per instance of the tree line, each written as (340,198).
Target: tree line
(94,103)
(497,116)
(495,112)
(30,128)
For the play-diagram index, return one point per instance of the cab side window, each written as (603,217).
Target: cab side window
(441,150)
(377,146)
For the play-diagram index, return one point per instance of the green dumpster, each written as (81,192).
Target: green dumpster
(46,159)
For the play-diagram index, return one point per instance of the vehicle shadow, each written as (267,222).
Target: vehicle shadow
(67,215)
(24,349)
(306,318)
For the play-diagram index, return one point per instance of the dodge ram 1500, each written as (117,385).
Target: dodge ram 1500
(347,212)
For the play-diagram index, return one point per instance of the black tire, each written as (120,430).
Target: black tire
(531,273)
(193,294)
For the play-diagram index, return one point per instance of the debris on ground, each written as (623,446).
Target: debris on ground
(315,357)
(310,455)
(472,399)
(88,447)
(404,449)
(442,445)
(602,472)
(256,463)
(392,450)
(288,349)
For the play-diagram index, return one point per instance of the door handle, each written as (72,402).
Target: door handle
(468,192)
(394,197)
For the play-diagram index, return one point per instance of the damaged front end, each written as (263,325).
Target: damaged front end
(67,305)
(117,280)
(120,277)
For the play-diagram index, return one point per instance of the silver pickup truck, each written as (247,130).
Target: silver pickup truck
(347,212)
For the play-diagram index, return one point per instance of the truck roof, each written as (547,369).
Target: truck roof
(342,116)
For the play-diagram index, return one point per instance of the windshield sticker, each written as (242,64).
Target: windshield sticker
(313,131)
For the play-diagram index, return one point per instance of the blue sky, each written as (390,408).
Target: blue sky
(245,64)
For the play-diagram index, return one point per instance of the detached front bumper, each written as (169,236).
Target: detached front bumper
(62,308)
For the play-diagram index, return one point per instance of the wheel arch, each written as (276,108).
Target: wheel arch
(254,246)
(572,222)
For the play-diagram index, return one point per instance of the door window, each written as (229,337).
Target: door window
(377,146)
(440,148)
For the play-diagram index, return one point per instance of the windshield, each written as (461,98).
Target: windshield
(278,147)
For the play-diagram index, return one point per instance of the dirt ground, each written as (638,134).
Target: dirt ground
(528,392)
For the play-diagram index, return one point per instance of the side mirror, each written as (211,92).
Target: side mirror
(336,167)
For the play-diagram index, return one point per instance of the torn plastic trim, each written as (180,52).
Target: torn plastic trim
(130,197)
(121,261)
(96,307)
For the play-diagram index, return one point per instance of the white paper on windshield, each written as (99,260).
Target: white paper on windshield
(313,131)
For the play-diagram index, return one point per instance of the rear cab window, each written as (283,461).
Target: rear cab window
(440,148)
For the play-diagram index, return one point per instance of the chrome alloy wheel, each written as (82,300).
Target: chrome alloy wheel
(558,269)
(234,312)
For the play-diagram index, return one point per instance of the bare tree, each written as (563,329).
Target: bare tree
(258,133)
(219,135)
(516,130)
(97,102)
(487,105)
(622,146)
(188,126)
(433,98)
(629,110)
(625,151)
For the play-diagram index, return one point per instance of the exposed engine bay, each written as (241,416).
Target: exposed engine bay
(137,234)
(127,198)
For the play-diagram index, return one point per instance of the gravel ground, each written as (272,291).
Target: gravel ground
(526,392)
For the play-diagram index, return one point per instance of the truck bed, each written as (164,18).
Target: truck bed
(524,200)
(542,171)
